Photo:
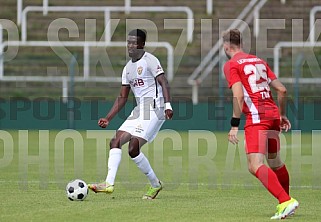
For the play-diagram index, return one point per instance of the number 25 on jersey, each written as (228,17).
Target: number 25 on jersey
(258,79)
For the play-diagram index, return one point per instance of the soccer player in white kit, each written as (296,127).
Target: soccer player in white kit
(144,75)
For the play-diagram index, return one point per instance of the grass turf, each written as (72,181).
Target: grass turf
(205,178)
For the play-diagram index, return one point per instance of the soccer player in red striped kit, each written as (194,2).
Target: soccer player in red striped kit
(250,79)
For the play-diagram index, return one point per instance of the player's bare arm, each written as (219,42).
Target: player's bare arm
(281,93)
(238,99)
(161,79)
(118,105)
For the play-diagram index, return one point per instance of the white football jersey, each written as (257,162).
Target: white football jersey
(141,76)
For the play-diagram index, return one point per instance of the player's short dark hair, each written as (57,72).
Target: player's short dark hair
(233,36)
(139,33)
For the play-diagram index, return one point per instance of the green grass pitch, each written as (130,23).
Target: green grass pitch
(205,178)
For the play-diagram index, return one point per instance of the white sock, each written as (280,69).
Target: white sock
(113,163)
(144,166)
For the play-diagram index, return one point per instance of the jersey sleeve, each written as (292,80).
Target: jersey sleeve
(231,74)
(270,74)
(155,66)
(124,80)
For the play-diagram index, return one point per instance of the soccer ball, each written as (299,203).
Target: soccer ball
(77,190)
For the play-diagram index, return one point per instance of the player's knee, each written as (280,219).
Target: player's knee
(275,164)
(274,161)
(114,143)
(253,167)
(133,151)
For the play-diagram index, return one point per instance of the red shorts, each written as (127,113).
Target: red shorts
(263,137)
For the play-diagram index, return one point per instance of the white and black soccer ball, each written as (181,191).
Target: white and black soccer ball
(77,190)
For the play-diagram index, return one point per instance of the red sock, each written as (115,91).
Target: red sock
(271,183)
(283,177)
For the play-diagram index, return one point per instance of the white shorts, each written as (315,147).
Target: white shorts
(144,123)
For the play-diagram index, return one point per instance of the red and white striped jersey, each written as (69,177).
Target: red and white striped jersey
(255,76)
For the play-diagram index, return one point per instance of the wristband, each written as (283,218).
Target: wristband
(168,106)
(235,122)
